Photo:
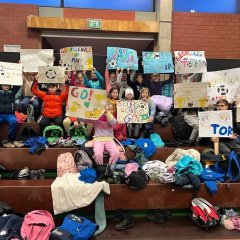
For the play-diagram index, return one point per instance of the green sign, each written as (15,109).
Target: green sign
(94,23)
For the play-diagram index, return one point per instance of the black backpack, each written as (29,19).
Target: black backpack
(181,129)
(25,133)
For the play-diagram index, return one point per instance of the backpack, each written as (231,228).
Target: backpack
(26,132)
(203,213)
(137,180)
(82,160)
(120,132)
(65,164)
(53,133)
(30,113)
(79,133)
(181,129)
(37,224)
(75,228)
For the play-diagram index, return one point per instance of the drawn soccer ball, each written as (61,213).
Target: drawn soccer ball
(113,63)
(222,90)
(156,55)
(51,74)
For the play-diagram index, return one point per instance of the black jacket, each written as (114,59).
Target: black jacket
(7,100)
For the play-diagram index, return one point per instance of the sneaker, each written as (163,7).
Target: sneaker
(24,174)
(156,216)
(34,175)
(118,215)
(125,223)
(41,174)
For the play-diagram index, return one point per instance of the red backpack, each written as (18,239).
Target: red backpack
(120,132)
(37,225)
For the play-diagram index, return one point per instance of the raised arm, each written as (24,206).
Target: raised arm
(35,91)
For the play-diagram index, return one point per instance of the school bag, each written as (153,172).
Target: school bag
(203,213)
(65,164)
(79,133)
(53,133)
(120,132)
(26,132)
(74,227)
(181,129)
(82,160)
(37,224)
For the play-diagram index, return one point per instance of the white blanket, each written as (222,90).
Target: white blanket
(69,193)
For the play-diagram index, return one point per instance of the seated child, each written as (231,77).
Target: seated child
(7,108)
(95,81)
(113,98)
(77,79)
(52,104)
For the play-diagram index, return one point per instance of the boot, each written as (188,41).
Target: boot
(126,222)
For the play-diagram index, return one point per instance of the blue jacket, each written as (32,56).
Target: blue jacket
(95,84)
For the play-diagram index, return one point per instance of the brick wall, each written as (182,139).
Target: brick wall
(217,34)
(13,25)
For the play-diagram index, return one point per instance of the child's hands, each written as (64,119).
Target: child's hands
(84,72)
(144,99)
(94,69)
(36,77)
(215,139)
(75,124)
(32,99)
(106,109)
(128,71)
(150,119)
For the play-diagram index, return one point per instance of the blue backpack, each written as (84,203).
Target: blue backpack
(75,228)
(230,168)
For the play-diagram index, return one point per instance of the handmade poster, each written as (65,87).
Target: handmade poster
(188,77)
(223,84)
(157,62)
(51,74)
(238,108)
(215,124)
(190,95)
(33,58)
(122,58)
(76,58)
(190,62)
(86,103)
(11,73)
(133,111)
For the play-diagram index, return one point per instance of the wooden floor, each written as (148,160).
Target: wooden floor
(180,228)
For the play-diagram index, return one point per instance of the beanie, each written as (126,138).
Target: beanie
(129,91)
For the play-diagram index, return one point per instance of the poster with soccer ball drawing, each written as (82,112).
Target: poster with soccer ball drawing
(223,84)
(51,74)
(122,58)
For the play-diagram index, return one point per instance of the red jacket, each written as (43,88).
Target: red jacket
(52,103)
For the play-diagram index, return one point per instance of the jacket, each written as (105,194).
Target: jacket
(52,103)
(136,87)
(95,84)
(7,100)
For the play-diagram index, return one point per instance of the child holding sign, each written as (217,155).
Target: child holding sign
(52,104)
(7,108)
(226,145)
(96,79)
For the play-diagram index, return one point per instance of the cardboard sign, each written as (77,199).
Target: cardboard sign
(188,77)
(77,58)
(223,84)
(190,62)
(190,95)
(33,58)
(51,74)
(133,111)
(86,103)
(11,73)
(157,62)
(122,58)
(215,124)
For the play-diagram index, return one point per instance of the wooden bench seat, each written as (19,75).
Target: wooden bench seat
(27,195)
(18,158)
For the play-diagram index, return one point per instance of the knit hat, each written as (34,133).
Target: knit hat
(129,91)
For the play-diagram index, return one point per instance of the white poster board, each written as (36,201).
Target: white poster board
(51,74)
(215,124)
(11,48)
(33,58)
(77,58)
(190,95)
(190,62)
(11,73)
(133,111)
(223,84)
(86,103)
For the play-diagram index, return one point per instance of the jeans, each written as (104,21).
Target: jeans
(12,122)
(192,120)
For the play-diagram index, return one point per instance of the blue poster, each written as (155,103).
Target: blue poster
(122,58)
(157,62)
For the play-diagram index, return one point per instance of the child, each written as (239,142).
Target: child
(96,80)
(7,108)
(112,98)
(110,79)
(137,84)
(28,96)
(122,83)
(77,79)
(226,145)
(148,127)
(52,104)
(155,85)
(103,137)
